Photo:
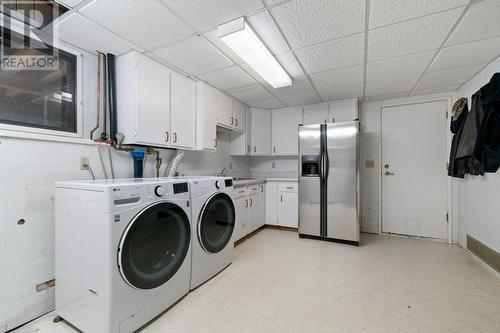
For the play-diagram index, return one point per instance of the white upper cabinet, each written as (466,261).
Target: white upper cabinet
(343,110)
(241,143)
(183,106)
(260,132)
(224,110)
(206,117)
(315,114)
(156,106)
(143,100)
(239,116)
(285,124)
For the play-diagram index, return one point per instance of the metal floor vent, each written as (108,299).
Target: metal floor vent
(485,253)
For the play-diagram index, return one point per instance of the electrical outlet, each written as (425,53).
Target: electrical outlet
(84,162)
(230,165)
(273,165)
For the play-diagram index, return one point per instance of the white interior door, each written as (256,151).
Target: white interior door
(414,176)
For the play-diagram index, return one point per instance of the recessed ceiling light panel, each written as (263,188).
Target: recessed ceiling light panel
(241,38)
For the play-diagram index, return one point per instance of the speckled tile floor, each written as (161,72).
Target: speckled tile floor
(279,283)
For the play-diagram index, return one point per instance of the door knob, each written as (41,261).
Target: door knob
(387,173)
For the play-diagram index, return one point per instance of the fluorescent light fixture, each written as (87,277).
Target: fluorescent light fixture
(241,38)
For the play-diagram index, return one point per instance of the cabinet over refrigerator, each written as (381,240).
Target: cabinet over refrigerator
(329,182)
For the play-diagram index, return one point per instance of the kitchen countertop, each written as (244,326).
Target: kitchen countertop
(260,180)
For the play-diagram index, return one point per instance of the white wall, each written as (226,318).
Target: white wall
(28,170)
(477,198)
(284,166)
(370,119)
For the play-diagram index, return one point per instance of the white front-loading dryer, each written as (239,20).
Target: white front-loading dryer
(213,221)
(123,251)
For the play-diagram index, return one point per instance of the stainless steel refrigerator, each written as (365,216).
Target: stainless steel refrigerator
(329,182)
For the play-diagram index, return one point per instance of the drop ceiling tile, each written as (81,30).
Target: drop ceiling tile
(341,92)
(482,21)
(269,104)
(213,37)
(384,12)
(340,83)
(250,94)
(263,24)
(70,3)
(301,99)
(464,55)
(386,96)
(299,85)
(305,23)
(92,38)
(194,55)
(205,15)
(338,53)
(393,85)
(397,67)
(448,77)
(146,23)
(436,90)
(338,78)
(227,78)
(418,35)
(274,2)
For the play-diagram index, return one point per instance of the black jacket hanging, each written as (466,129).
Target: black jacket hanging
(465,161)
(458,117)
(487,147)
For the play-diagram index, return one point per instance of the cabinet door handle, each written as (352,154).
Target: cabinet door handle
(175,137)
(281,199)
(232,121)
(254,149)
(289,187)
(166,136)
(251,202)
(236,122)
(215,142)
(248,148)
(274,150)
(246,203)
(261,188)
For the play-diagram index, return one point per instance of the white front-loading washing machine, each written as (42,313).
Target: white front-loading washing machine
(123,251)
(213,218)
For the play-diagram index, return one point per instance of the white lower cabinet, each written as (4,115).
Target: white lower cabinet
(288,210)
(241,213)
(262,204)
(282,202)
(273,203)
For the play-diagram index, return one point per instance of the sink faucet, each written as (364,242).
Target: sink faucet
(223,172)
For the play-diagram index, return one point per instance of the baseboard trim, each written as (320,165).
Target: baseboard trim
(265,226)
(484,252)
(279,227)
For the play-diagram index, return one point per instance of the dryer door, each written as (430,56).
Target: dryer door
(154,245)
(216,223)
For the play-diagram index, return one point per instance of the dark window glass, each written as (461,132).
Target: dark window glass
(42,97)
(217,223)
(155,246)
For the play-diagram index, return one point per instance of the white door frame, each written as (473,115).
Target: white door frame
(451,220)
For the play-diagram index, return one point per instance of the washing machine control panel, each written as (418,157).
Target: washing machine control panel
(160,191)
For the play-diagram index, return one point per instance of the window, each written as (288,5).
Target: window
(41,97)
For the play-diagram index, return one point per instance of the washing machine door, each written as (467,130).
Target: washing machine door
(216,223)
(154,245)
